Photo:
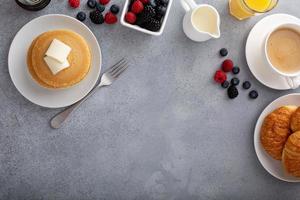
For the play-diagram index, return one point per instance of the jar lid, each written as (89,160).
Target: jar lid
(33,5)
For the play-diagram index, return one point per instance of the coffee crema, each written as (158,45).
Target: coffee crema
(283,48)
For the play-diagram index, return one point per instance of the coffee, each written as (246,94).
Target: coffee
(283,48)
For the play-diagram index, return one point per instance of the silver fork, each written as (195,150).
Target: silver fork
(107,78)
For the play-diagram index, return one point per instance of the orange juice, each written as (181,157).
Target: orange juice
(242,9)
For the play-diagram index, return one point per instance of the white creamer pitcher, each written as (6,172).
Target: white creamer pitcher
(201,22)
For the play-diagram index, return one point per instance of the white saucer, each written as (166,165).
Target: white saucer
(255,51)
(274,167)
(21,78)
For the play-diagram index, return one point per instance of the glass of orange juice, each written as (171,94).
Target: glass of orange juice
(243,9)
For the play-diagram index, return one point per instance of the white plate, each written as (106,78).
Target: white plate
(255,51)
(21,78)
(274,167)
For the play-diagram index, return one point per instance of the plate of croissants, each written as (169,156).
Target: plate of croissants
(277,138)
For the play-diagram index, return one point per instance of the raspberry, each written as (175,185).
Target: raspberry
(145,1)
(227,65)
(110,18)
(74,3)
(137,7)
(220,76)
(104,2)
(130,17)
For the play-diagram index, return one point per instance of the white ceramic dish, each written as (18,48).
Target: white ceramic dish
(274,167)
(135,27)
(255,51)
(51,98)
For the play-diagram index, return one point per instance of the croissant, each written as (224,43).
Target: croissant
(291,154)
(275,130)
(295,120)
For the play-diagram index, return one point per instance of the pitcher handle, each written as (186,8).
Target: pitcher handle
(188,4)
(293,82)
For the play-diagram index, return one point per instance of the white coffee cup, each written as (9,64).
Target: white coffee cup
(293,79)
(201,22)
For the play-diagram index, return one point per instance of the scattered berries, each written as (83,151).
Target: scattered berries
(100,7)
(246,85)
(137,7)
(227,65)
(235,70)
(81,16)
(74,3)
(91,3)
(96,17)
(130,17)
(235,81)
(253,94)
(114,9)
(220,76)
(104,2)
(232,92)
(110,18)
(225,84)
(223,52)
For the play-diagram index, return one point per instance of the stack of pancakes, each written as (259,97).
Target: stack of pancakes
(79,59)
(280,137)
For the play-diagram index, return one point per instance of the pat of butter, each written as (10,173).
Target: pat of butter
(56,66)
(58,51)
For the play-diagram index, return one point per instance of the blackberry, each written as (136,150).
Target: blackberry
(146,14)
(81,16)
(152,25)
(232,92)
(96,17)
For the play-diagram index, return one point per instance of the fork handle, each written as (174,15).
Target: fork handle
(57,121)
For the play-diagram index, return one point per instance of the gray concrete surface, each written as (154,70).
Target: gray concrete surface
(163,131)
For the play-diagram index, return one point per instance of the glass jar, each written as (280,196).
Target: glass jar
(33,5)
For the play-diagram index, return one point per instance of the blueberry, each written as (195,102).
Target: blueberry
(223,52)
(235,81)
(100,7)
(91,3)
(81,16)
(225,84)
(153,3)
(235,70)
(162,2)
(253,94)
(161,10)
(246,85)
(115,9)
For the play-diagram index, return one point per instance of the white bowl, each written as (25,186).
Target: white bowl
(136,27)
